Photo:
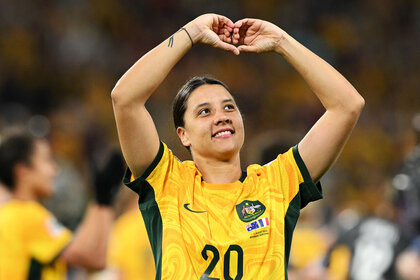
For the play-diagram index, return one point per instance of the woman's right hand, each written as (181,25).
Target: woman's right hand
(213,30)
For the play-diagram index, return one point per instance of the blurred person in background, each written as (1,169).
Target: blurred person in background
(130,256)
(311,240)
(385,245)
(33,245)
(408,263)
(4,194)
(407,186)
(370,249)
(207,218)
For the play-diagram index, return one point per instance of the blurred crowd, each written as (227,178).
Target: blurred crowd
(59,61)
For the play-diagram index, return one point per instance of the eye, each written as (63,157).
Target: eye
(204,111)
(229,107)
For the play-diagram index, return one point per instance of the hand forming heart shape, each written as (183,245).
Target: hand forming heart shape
(247,35)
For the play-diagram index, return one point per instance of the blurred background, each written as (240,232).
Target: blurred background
(59,61)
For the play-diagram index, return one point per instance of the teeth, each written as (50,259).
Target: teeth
(223,133)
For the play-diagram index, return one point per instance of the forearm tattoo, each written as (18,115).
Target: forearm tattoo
(171,39)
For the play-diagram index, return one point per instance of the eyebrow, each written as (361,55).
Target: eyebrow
(227,100)
(207,103)
(201,105)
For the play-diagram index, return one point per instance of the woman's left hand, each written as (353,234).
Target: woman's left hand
(254,35)
(213,30)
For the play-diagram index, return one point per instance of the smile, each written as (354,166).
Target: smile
(223,134)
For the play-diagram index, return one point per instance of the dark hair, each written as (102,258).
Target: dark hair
(14,149)
(181,98)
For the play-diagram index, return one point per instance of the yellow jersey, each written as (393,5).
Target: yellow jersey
(129,252)
(241,230)
(308,247)
(31,239)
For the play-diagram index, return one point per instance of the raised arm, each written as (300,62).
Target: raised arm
(324,142)
(90,244)
(137,133)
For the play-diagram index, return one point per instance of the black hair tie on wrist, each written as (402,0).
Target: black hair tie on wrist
(192,43)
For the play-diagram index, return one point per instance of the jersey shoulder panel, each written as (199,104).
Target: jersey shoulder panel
(165,172)
(289,172)
(46,237)
(30,237)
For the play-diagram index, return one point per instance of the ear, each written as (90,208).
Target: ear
(183,136)
(20,171)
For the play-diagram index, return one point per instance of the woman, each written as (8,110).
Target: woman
(206,218)
(33,245)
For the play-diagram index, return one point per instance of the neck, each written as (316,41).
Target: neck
(5,195)
(22,192)
(219,172)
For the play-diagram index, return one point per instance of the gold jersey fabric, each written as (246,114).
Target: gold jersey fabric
(30,241)
(309,246)
(129,249)
(241,230)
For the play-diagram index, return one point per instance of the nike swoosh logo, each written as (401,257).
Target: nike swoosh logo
(186,207)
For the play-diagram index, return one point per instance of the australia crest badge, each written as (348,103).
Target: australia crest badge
(250,210)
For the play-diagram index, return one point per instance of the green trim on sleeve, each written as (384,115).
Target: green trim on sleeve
(151,215)
(290,221)
(153,222)
(35,270)
(302,167)
(134,185)
(149,209)
(308,189)
(152,218)
(154,163)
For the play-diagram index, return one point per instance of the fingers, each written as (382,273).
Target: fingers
(240,30)
(224,21)
(235,37)
(225,38)
(221,32)
(248,49)
(243,22)
(227,47)
(225,34)
(223,27)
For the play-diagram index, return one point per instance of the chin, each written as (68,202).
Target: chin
(227,152)
(46,193)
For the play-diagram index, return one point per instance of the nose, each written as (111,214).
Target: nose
(222,118)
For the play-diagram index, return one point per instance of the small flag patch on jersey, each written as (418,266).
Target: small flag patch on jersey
(261,223)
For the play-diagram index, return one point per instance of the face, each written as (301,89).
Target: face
(41,172)
(213,124)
